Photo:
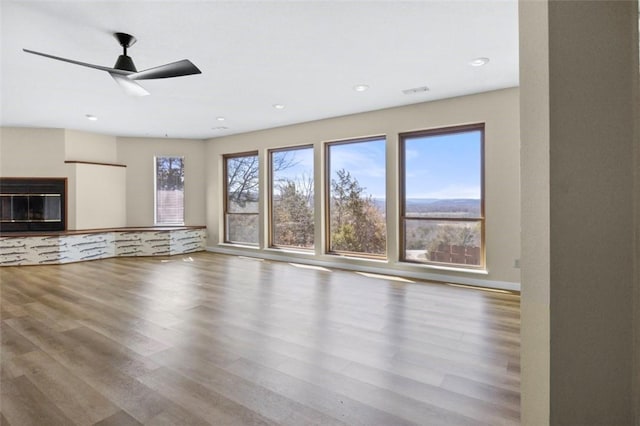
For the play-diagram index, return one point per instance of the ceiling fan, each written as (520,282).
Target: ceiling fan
(124,72)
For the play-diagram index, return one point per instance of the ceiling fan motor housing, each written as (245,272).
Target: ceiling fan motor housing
(125,63)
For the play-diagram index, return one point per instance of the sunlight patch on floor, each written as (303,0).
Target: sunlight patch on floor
(385,277)
(474,287)
(314,267)
(255,259)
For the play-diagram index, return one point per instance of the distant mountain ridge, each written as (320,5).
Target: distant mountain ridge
(468,206)
(435,205)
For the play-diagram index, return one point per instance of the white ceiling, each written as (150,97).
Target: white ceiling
(306,55)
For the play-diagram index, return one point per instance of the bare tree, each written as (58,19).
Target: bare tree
(243,176)
(170,173)
(243,186)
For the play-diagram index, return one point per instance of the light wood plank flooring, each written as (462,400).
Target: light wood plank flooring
(225,340)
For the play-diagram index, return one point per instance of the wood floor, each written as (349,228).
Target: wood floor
(225,340)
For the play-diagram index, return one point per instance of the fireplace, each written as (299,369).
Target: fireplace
(33,204)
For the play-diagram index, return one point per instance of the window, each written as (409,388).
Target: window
(241,199)
(292,218)
(169,190)
(442,207)
(356,199)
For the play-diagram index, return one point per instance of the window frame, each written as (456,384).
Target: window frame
(155,191)
(271,204)
(327,200)
(225,202)
(402,217)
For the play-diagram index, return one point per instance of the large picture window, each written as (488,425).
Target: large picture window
(241,198)
(442,202)
(292,189)
(356,201)
(169,196)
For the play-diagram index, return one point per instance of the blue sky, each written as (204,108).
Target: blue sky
(442,166)
(365,161)
(302,160)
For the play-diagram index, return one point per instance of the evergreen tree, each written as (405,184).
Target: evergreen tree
(357,225)
(293,214)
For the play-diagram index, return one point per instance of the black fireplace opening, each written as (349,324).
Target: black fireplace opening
(33,204)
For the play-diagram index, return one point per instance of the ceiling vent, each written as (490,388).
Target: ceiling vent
(415,90)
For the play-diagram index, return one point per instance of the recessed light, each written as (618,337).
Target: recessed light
(278,106)
(360,87)
(219,129)
(478,62)
(91,117)
(220,118)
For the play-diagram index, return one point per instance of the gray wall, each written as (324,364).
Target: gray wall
(579,73)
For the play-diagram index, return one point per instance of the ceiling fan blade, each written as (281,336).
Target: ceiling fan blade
(84,64)
(129,86)
(174,69)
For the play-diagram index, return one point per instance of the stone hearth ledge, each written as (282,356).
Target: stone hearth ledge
(46,248)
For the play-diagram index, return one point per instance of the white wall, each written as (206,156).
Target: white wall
(138,154)
(100,189)
(84,146)
(27,152)
(536,256)
(95,193)
(499,110)
(32,152)
(104,196)
(100,196)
